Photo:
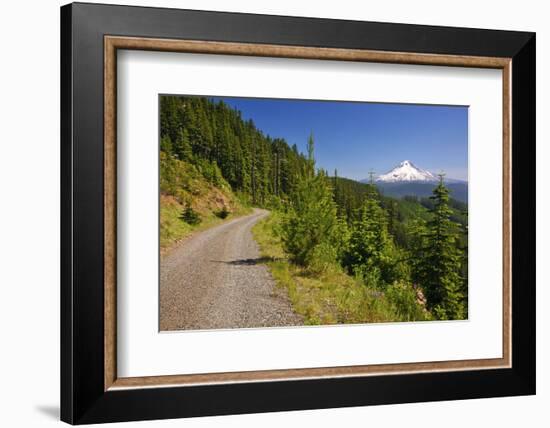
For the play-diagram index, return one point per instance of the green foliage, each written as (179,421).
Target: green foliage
(179,178)
(458,191)
(322,258)
(173,176)
(189,201)
(172,227)
(210,171)
(330,228)
(190,216)
(369,240)
(459,210)
(349,196)
(438,258)
(216,139)
(223,213)
(311,220)
(324,294)
(404,299)
(182,146)
(371,253)
(166,144)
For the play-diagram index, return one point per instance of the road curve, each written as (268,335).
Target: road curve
(215,280)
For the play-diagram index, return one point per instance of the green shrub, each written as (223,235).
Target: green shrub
(311,220)
(371,250)
(322,258)
(403,297)
(211,171)
(172,228)
(369,275)
(223,213)
(190,216)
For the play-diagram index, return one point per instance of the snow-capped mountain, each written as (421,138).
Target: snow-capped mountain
(407,171)
(408,179)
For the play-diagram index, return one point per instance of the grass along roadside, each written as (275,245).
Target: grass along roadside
(194,197)
(330,296)
(173,228)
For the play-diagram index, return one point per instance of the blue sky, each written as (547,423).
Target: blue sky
(357,137)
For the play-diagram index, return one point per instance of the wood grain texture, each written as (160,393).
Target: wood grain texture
(112,43)
(296,374)
(300,52)
(109,196)
(507,213)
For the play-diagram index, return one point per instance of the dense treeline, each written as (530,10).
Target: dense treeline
(413,251)
(434,260)
(252,163)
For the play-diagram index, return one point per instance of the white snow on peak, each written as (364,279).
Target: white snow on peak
(406,171)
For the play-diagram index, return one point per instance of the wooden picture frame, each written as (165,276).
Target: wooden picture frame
(91,390)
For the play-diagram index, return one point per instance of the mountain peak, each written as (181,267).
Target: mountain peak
(406,171)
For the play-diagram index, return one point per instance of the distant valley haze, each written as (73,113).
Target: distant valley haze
(407,179)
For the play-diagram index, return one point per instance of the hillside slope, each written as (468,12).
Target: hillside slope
(192,197)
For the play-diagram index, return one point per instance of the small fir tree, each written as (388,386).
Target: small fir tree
(370,249)
(439,257)
(182,146)
(311,220)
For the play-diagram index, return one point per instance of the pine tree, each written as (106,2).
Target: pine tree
(337,193)
(370,248)
(326,218)
(311,222)
(182,146)
(253,175)
(464,266)
(310,156)
(166,144)
(392,217)
(438,259)
(209,134)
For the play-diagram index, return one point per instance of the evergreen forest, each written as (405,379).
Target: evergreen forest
(343,251)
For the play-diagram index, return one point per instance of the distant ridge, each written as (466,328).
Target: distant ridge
(407,179)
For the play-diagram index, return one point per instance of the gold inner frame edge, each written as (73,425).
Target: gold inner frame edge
(113,43)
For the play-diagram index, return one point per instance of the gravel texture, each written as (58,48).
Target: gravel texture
(215,280)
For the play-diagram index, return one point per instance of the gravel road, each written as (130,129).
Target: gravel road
(215,279)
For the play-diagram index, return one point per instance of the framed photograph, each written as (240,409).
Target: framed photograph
(267,213)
